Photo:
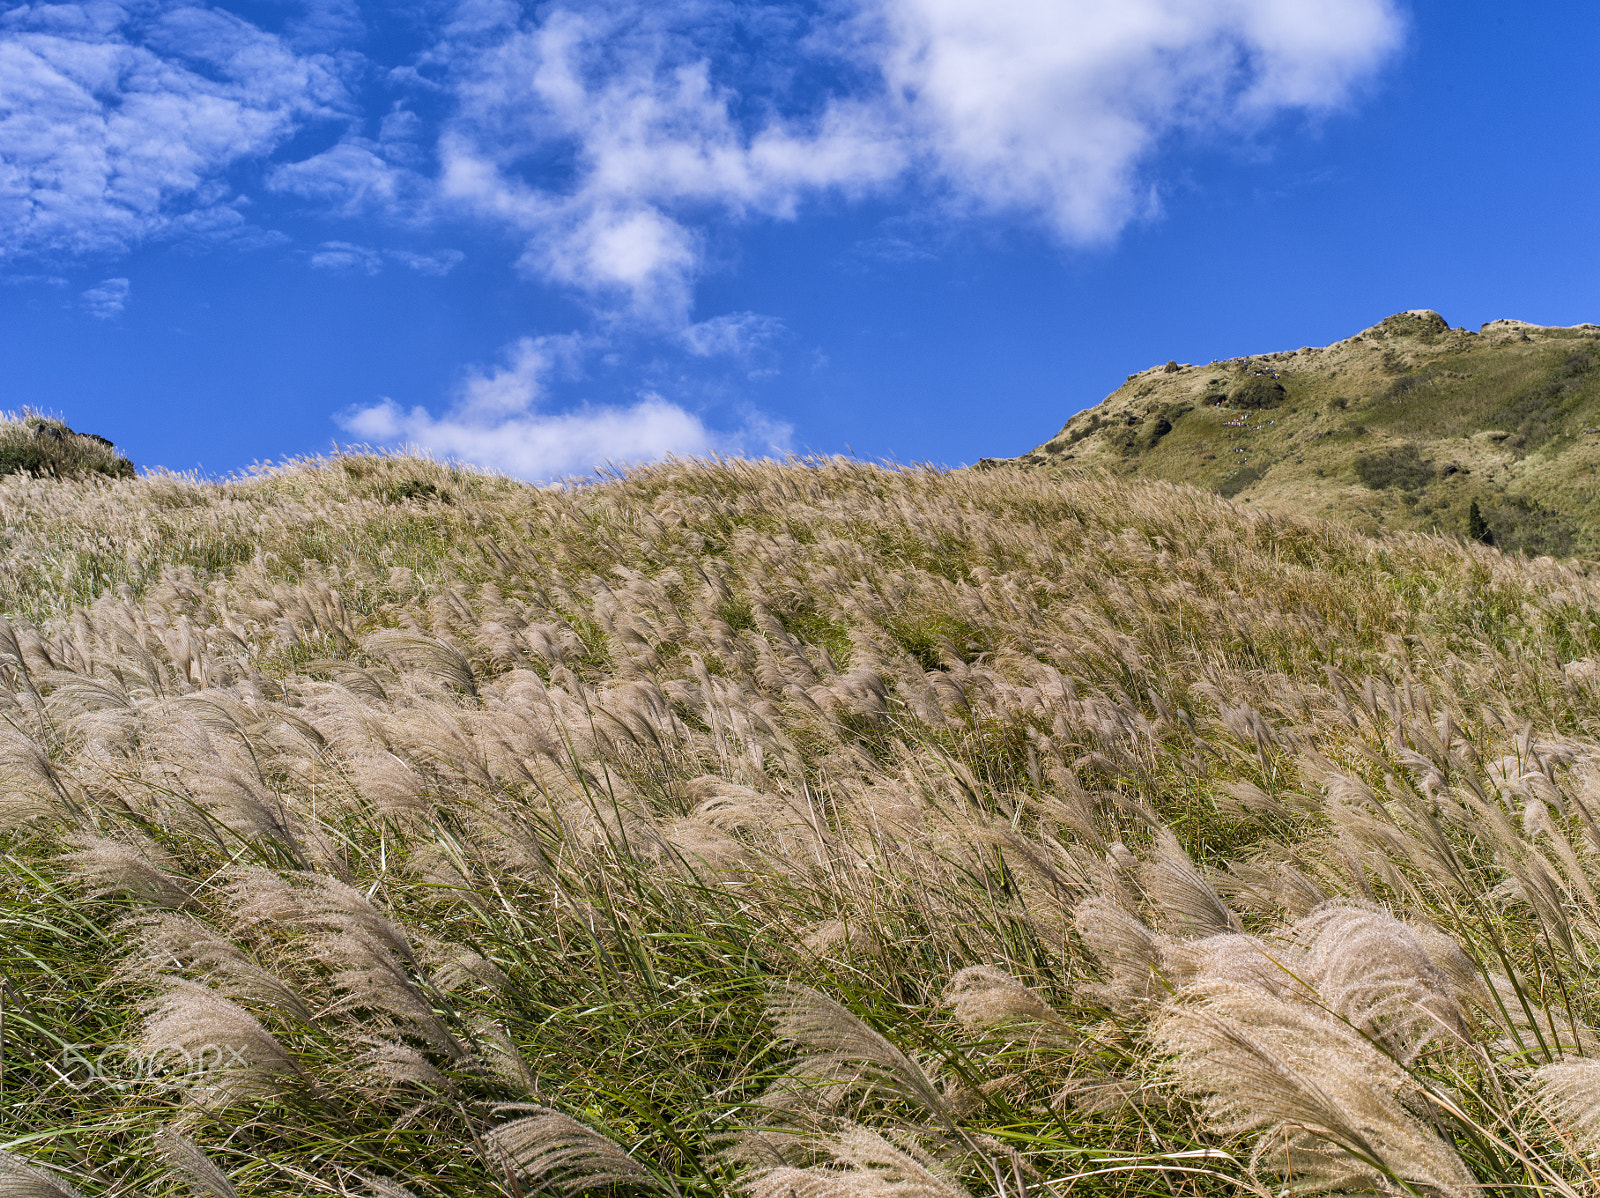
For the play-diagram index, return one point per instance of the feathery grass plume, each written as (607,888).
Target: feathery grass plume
(558,1152)
(190,1165)
(1374,971)
(107,866)
(860,1164)
(388,1064)
(19,1179)
(1567,1095)
(212,1048)
(981,997)
(381,1187)
(1142,965)
(1271,887)
(1187,904)
(1283,1068)
(313,902)
(30,788)
(416,651)
(839,1040)
(185,941)
(370,976)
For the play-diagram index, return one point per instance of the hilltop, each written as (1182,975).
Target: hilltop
(379,829)
(1402,426)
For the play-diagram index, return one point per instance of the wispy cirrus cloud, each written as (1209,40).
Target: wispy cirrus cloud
(119,121)
(347,257)
(106,298)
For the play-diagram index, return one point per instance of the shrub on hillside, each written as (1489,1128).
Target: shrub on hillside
(1398,466)
(1258,391)
(46,448)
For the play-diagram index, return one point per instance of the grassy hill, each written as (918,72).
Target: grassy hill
(1404,425)
(807,830)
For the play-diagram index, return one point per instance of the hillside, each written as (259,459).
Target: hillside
(806,830)
(1403,425)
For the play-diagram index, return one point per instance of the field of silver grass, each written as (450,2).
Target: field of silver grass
(809,830)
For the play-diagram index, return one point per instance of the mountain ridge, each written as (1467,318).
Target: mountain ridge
(1406,424)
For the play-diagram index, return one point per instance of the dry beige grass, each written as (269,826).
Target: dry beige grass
(809,827)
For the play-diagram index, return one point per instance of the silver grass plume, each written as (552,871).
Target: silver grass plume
(839,1040)
(169,938)
(109,866)
(185,1161)
(1567,1094)
(860,1164)
(1187,904)
(19,1179)
(221,1053)
(1143,966)
(558,1152)
(415,651)
(1276,1067)
(1374,971)
(983,997)
(381,1187)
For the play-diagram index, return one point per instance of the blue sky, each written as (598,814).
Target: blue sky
(537,236)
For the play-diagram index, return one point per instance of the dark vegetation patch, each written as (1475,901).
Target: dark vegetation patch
(1407,383)
(1522,524)
(1240,479)
(1401,466)
(1258,392)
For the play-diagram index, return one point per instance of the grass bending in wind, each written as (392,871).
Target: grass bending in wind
(811,829)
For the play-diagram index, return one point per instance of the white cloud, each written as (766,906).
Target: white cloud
(343,257)
(496,422)
(117,121)
(438,264)
(1051,109)
(652,137)
(735,335)
(106,298)
(346,257)
(615,140)
(349,179)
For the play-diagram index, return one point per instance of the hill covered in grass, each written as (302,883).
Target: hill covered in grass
(808,830)
(1405,425)
(43,446)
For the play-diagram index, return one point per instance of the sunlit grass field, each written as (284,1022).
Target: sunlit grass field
(806,830)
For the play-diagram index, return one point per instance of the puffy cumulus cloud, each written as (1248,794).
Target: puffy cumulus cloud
(106,298)
(1051,109)
(119,121)
(652,141)
(496,422)
(616,139)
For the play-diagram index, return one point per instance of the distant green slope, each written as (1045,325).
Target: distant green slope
(1404,425)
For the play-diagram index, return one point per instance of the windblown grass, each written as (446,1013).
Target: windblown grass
(814,829)
(40,445)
